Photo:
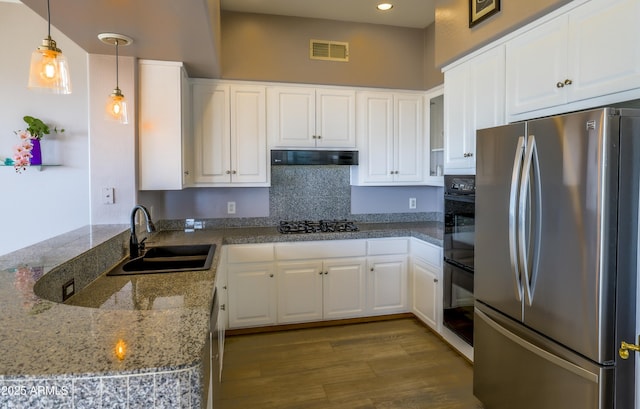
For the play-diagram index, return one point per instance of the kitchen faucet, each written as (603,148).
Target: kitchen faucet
(134,246)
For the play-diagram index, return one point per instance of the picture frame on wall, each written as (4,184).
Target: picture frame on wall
(480,10)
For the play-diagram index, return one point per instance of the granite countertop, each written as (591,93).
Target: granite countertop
(163,318)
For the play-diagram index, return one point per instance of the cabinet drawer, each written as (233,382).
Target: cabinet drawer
(249,253)
(321,249)
(379,247)
(426,251)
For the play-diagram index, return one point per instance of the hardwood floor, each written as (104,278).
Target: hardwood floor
(397,364)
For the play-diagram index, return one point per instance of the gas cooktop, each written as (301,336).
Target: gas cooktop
(319,226)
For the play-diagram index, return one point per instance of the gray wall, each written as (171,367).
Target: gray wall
(276,48)
(433,75)
(454,38)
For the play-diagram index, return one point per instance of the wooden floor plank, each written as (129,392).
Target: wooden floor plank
(397,364)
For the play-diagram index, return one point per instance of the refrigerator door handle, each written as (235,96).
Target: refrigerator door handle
(554,359)
(529,207)
(513,214)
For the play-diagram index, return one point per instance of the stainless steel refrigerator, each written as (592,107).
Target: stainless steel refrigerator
(556,261)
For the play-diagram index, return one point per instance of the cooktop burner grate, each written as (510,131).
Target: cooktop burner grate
(319,226)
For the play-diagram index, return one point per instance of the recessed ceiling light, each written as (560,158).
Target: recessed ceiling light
(384,6)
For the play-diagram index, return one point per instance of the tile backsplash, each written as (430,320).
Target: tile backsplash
(309,192)
(298,193)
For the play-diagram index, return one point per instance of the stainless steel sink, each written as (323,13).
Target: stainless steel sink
(168,259)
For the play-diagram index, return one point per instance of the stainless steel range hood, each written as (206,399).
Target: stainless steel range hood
(313,157)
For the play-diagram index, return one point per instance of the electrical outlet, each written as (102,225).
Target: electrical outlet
(231,207)
(412,203)
(68,289)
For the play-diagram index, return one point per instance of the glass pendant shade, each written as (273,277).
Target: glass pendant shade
(49,70)
(116,107)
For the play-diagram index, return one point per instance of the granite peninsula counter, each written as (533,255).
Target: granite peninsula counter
(54,355)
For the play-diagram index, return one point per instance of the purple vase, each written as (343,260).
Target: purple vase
(36,152)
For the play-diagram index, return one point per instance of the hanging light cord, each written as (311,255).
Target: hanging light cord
(117,82)
(49,19)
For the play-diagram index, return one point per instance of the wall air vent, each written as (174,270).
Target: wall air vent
(328,50)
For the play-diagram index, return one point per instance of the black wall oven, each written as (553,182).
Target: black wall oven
(459,232)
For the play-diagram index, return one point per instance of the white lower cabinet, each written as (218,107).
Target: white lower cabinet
(387,284)
(251,285)
(284,283)
(426,288)
(252,294)
(426,283)
(343,288)
(300,291)
(320,289)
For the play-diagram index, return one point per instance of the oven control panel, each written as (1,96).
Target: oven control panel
(460,184)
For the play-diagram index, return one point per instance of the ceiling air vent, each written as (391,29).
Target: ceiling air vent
(328,50)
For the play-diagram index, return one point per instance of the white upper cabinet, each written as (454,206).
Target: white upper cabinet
(434,135)
(303,117)
(474,98)
(536,72)
(592,51)
(604,51)
(212,134)
(390,135)
(163,147)
(230,138)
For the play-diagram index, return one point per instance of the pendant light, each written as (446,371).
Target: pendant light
(116,108)
(49,70)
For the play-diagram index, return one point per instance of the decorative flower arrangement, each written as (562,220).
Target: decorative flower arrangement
(24,151)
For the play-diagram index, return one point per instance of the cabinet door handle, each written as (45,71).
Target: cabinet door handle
(468,154)
(371,269)
(223,307)
(271,275)
(320,273)
(435,280)
(228,172)
(186,172)
(319,136)
(326,273)
(233,172)
(560,85)
(568,82)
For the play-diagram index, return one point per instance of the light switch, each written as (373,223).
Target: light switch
(107,195)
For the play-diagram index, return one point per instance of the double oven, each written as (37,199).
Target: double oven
(459,232)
